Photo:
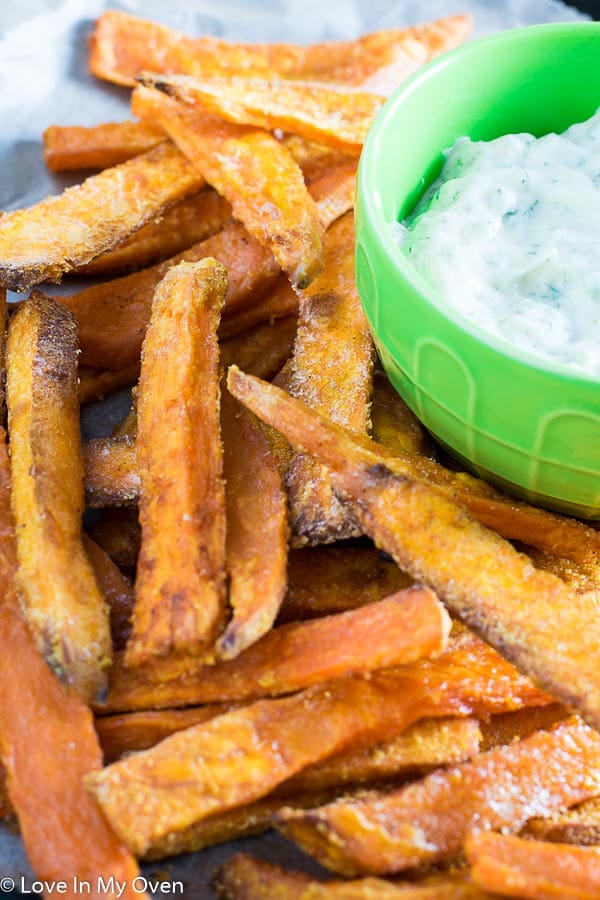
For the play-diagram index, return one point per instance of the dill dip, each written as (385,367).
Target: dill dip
(509,235)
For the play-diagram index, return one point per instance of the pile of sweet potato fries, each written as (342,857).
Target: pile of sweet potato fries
(289,610)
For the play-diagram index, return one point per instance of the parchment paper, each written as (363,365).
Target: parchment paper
(44,80)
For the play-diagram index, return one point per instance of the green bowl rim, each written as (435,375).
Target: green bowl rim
(367,192)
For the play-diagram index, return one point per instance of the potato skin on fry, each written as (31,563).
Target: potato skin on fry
(180,586)
(64,608)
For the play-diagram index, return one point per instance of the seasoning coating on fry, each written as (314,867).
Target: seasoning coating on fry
(100,146)
(180,582)
(63,605)
(59,233)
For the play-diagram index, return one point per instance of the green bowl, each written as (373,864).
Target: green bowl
(528,425)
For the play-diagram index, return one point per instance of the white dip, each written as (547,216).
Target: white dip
(510,236)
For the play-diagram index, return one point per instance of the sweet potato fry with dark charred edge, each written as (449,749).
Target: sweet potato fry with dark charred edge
(331,369)
(580,825)
(180,580)
(481,578)
(279,301)
(336,115)
(264,348)
(111,473)
(514,726)
(64,608)
(118,533)
(115,588)
(332,579)
(428,821)
(123,45)
(241,756)
(188,221)
(245,878)
(62,232)
(515,867)
(98,147)
(254,172)
(257,530)
(123,305)
(393,424)
(131,732)
(63,831)
(401,628)
(97,384)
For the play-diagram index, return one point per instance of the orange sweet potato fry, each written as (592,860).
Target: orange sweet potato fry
(482,579)
(97,384)
(116,589)
(245,878)
(279,301)
(99,147)
(118,533)
(62,232)
(428,821)
(330,579)
(244,754)
(264,348)
(254,172)
(257,530)
(511,866)
(333,192)
(64,608)
(123,45)
(392,422)
(335,115)
(400,628)
(111,473)
(514,726)
(580,825)
(64,833)
(180,581)
(331,369)
(190,220)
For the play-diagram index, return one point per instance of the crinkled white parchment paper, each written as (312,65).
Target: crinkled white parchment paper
(44,80)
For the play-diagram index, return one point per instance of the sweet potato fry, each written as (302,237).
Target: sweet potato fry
(97,384)
(314,159)
(279,301)
(64,608)
(511,866)
(63,831)
(331,369)
(123,45)
(99,147)
(180,581)
(330,579)
(264,348)
(62,232)
(111,473)
(428,821)
(118,533)
(498,592)
(245,878)
(190,220)
(257,530)
(392,422)
(335,115)
(115,588)
(514,726)
(333,192)
(254,172)
(580,825)
(401,628)
(244,754)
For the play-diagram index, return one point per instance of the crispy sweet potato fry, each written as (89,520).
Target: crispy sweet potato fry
(111,473)
(392,422)
(331,369)
(245,878)
(63,831)
(115,588)
(314,159)
(118,533)
(254,172)
(257,530)
(514,726)
(481,578)
(123,45)
(580,825)
(97,384)
(332,114)
(403,627)
(279,301)
(512,866)
(64,608)
(243,755)
(76,147)
(188,221)
(264,348)
(428,821)
(180,581)
(56,235)
(333,192)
